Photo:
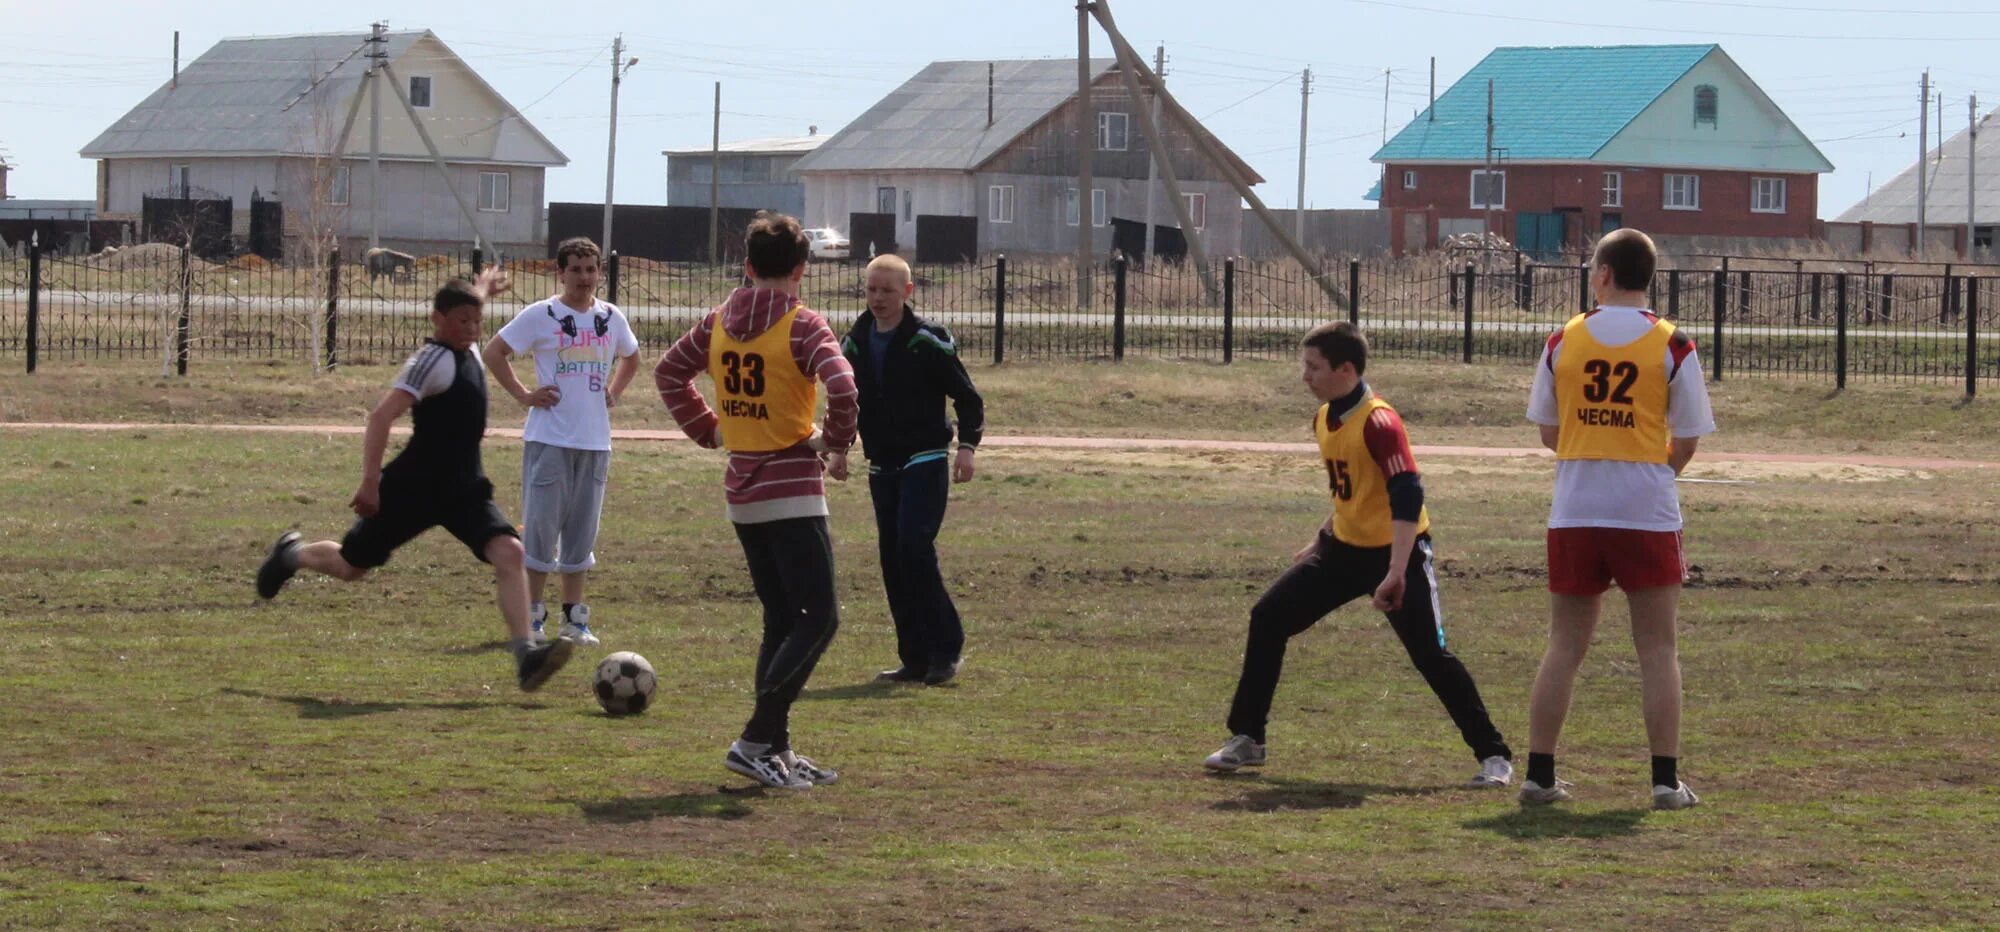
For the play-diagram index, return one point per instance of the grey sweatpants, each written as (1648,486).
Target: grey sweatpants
(562,494)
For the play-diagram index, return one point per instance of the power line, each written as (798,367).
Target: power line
(1629,27)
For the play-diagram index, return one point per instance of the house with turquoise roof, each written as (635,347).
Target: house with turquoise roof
(1675,140)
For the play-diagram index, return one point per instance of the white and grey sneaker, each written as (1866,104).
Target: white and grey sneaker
(1238,751)
(1494,773)
(538,615)
(1672,798)
(1535,794)
(803,767)
(576,626)
(764,768)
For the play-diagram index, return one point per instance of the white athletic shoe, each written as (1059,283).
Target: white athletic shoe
(1238,751)
(538,615)
(1535,794)
(763,768)
(576,626)
(803,768)
(1494,773)
(1676,797)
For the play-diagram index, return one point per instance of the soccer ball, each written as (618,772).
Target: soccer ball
(624,683)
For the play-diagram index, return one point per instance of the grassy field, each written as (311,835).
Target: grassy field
(177,755)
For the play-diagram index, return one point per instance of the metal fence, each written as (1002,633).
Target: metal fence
(1797,317)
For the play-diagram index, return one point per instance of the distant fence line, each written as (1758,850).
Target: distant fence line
(1750,315)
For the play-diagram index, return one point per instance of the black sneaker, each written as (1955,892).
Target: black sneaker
(540,663)
(939,676)
(900,675)
(767,769)
(278,566)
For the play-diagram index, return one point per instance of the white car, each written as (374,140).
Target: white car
(827,243)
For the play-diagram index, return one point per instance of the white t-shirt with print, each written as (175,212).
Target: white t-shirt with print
(578,366)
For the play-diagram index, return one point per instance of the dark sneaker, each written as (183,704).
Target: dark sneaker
(278,566)
(803,767)
(540,663)
(767,769)
(900,675)
(942,675)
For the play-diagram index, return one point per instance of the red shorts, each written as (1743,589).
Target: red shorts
(1587,560)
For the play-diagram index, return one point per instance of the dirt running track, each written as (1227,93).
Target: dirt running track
(1098,443)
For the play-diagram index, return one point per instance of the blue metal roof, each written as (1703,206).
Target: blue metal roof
(1548,103)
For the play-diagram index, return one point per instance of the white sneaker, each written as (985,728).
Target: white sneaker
(1535,794)
(802,767)
(1676,797)
(1494,773)
(538,615)
(576,626)
(1238,751)
(764,768)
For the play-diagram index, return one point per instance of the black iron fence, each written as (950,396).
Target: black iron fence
(1750,316)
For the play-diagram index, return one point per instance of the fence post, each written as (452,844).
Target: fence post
(478,260)
(1528,289)
(34,296)
(181,326)
(1118,307)
(611,278)
(1229,309)
(1715,310)
(1519,299)
(1950,307)
(1673,294)
(1971,336)
(332,304)
(1885,308)
(1583,288)
(999,309)
(1814,310)
(1471,276)
(1354,292)
(1839,326)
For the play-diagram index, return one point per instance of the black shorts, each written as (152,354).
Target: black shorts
(411,507)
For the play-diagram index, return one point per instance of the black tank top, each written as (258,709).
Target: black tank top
(447,427)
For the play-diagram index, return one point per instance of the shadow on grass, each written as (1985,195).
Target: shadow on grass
(718,805)
(869,690)
(1553,822)
(313,707)
(1274,795)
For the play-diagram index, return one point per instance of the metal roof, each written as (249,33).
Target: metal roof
(769,145)
(249,96)
(1944,198)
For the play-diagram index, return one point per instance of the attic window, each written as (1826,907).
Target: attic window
(420,91)
(1113,131)
(1704,105)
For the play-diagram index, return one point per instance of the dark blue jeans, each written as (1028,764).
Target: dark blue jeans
(909,509)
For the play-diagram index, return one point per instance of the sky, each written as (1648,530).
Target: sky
(1846,71)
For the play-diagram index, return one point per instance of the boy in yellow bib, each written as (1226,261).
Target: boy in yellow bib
(1376,544)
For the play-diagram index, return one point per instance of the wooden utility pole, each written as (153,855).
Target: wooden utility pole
(378,59)
(1299,206)
(618,66)
(1487,198)
(1923,155)
(1153,146)
(1128,71)
(715,183)
(1971,171)
(1086,142)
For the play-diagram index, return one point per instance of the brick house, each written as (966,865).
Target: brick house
(1675,140)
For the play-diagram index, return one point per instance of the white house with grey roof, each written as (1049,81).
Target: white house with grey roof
(1949,172)
(996,142)
(262,117)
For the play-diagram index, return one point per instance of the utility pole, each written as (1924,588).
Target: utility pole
(378,56)
(1299,206)
(618,68)
(1432,107)
(1923,155)
(715,183)
(1086,142)
(1385,106)
(1154,147)
(1487,197)
(175,83)
(1971,171)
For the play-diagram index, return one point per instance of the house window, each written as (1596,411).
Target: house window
(1069,207)
(1614,189)
(420,91)
(1682,192)
(337,190)
(1767,195)
(1197,208)
(909,204)
(495,190)
(1704,105)
(1100,215)
(1409,181)
(177,181)
(1489,189)
(885,201)
(1113,131)
(1000,203)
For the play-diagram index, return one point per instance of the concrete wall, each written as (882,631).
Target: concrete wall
(1327,232)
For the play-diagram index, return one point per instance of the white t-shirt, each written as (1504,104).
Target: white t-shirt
(578,366)
(1607,493)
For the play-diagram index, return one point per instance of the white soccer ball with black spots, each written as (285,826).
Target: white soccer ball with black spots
(624,683)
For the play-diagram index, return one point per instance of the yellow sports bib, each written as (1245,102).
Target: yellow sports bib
(762,400)
(1612,400)
(1360,491)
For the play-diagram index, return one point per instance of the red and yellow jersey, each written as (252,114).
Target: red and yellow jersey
(1612,400)
(1363,448)
(762,401)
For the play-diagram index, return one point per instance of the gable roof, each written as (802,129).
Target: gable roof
(937,119)
(1553,104)
(1944,198)
(247,96)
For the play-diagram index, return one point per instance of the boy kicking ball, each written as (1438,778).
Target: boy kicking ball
(435,481)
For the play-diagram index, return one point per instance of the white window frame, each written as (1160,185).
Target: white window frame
(1197,208)
(890,190)
(504,189)
(430,91)
(1690,198)
(1759,187)
(1614,189)
(180,180)
(909,205)
(1409,179)
(340,187)
(1100,208)
(1473,189)
(1104,133)
(1000,203)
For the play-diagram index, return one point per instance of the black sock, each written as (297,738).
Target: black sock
(566,607)
(1664,771)
(1542,769)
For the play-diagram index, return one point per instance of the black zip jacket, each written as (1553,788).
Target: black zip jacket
(902,413)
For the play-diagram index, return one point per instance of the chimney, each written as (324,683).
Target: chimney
(812,130)
(4,169)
